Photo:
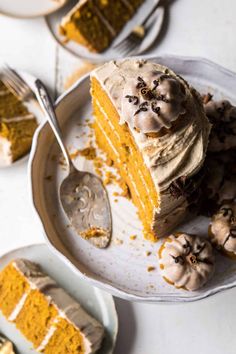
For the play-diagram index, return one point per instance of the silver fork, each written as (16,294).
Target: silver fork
(135,38)
(16,84)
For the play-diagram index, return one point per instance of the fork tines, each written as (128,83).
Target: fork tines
(15,83)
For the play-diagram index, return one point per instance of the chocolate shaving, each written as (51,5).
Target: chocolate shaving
(207,98)
(142,108)
(182,187)
(147,94)
(133,99)
(155,108)
(141,83)
(178,259)
(156,84)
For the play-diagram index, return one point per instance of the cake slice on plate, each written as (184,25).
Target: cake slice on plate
(17,127)
(44,313)
(95,23)
(152,124)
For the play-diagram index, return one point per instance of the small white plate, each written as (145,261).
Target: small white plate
(121,268)
(33,107)
(29,8)
(98,303)
(53,22)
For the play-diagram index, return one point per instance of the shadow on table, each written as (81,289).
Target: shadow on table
(127,327)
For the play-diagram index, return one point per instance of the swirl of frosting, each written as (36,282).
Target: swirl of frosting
(186,261)
(222,230)
(153,101)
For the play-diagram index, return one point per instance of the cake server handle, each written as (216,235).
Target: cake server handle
(48,108)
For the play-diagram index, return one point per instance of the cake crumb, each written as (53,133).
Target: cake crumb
(118,241)
(148,253)
(133,237)
(151,268)
(115,200)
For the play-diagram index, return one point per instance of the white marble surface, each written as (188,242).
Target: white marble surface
(203,28)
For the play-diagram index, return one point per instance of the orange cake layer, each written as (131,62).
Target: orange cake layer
(36,317)
(66,339)
(44,313)
(12,287)
(118,143)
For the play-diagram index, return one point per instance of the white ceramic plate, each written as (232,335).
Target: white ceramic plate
(33,106)
(98,303)
(121,268)
(29,8)
(53,22)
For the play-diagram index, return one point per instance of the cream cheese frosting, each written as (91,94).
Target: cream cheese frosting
(186,261)
(222,230)
(171,130)
(91,330)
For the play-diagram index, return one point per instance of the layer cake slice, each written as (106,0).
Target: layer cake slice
(152,124)
(17,127)
(44,313)
(95,23)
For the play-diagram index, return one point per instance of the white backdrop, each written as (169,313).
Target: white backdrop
(203,28)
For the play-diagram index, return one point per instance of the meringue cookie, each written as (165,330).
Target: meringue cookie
(222,229)
(186,261)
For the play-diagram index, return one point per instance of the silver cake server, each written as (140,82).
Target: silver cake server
(82,194)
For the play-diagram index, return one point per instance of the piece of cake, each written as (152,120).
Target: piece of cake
(17,126)
(152,124)
(95,23)
(186,261)
(222,230)
(44,313)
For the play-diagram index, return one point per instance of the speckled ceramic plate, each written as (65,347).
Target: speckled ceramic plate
(53,22)
(98,303)
(29,8)
(121,268)
(33,106)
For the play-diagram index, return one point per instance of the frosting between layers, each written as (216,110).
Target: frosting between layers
(91,329)
(5,152)
(181,151)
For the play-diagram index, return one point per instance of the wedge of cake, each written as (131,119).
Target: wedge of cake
(95,23)
(17,127)
(152,124)
(44,313)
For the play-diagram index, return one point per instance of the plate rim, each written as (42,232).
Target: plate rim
(41,14)
(124,294)
(99,290)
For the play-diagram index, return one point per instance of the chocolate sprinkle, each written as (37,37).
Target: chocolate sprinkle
(133,99)
(142,108)
(141,83)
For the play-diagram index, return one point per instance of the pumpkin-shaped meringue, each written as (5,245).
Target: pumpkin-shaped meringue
(222,229)
(186,261)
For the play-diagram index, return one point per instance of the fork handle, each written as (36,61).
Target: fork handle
(48,108)
(151,13)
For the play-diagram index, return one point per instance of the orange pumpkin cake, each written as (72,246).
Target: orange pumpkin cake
(95,23)
(17,127)
(152,124)
(44,313)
